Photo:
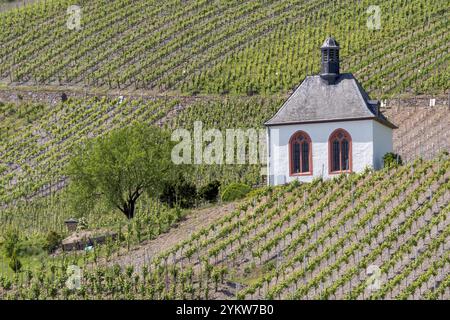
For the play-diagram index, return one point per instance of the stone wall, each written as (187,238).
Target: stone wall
(54,96)
(419,101)
(45,97)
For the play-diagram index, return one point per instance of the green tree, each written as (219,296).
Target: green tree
(120,166)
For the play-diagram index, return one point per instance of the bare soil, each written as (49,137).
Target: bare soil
(192,223)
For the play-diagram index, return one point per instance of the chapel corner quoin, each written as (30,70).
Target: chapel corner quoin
(328,126)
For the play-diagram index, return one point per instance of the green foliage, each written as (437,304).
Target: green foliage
(180,193)
(391,159)
(11,242)
(54,131)
(14,262)
(335,226)
(210,191)
(5,283)
(269,266)
(82,223)
(311,240)
(119,167)
(52,241)
(264,47)
(235,191)
(233,112)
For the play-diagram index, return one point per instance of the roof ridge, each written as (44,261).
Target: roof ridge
(314,100)
(362,94)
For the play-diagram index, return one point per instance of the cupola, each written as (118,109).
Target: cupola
(330,60)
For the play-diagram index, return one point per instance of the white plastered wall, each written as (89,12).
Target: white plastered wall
(382,140)
(361,131)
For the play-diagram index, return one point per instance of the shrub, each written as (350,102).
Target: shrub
(5,283)
(181,193)
(391,159)
(235,191)
(52,241)
(210,191)
(11,242)
(3,168)
(186,194)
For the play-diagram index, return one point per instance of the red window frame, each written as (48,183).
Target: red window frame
(333,137)
(294,137)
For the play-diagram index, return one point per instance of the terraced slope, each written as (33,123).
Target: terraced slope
(224,46)
(37,139)
(309,241)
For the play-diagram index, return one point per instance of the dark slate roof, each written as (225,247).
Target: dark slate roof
(317,101)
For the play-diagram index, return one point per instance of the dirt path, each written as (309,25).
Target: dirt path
(193,222)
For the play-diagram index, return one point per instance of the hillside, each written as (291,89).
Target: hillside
(240,47)
(308,241)
(37,138)
(9,4)
(230,64)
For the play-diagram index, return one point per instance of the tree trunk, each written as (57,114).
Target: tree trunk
(128,208)
(129,205)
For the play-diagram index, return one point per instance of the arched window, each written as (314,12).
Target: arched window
(340,152)
(300,150)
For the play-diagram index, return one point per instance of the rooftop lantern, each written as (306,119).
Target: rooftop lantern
(330,60)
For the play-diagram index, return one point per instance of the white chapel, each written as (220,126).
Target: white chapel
(328,126)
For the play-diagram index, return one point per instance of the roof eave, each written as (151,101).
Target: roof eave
(386,123)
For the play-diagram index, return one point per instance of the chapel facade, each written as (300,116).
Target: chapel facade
(328,126)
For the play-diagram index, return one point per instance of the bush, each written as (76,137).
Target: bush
(11,242)
(391,159)
(52,241)
(210,191)
(186,194)
(181,193)
(235,191)
(5,283)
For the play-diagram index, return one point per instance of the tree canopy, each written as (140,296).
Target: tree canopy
(121,165)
